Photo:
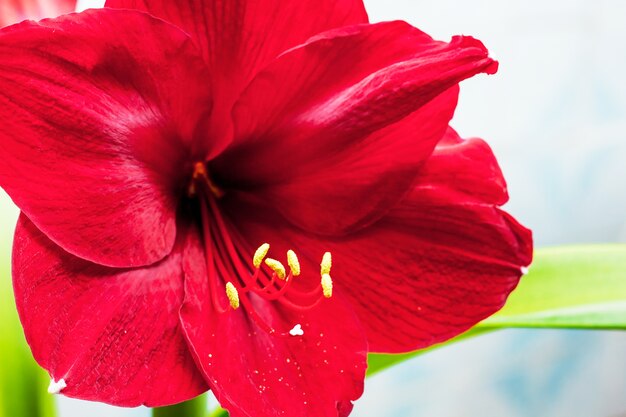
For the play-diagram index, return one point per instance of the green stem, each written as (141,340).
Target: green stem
(196,407)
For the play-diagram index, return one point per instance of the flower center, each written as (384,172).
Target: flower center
(227,257)
(201,178)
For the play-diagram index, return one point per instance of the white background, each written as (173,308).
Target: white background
(555,115)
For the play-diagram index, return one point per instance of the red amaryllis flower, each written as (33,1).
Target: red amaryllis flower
(13,11)
(152,153)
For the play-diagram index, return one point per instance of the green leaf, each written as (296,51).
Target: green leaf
(219,412)
(196,407)
(23,384)
(567,287)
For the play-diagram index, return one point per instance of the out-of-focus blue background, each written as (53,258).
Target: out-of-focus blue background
(555,115)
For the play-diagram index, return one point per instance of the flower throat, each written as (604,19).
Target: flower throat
(233,279)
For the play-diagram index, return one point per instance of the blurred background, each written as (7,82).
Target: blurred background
(555,115)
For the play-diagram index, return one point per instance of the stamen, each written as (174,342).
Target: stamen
(277,267)
(327,285)
(210,259)
(327,262)
(233,295)
(260,254)
(294,264)
(226,252)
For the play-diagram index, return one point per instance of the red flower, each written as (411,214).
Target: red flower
(150,160)
(13,11)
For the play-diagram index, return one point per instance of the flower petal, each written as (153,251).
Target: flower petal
(464,170)
(352,113)
(239,37)
(112,335)
(254,373)
(96,130)
(13,11)
(445,258)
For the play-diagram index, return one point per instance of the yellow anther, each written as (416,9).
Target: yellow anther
(276,266)
(259,255)
(294,264)
(233,295)
(327,262)
(327,285)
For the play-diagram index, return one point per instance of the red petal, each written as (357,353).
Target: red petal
(254,373)
(464,170)
(13,11)
(441,261)
(445,258)
(113,335)
(96,128)
(352,113)
(239,37)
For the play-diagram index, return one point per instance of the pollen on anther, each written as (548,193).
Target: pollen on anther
(277,267)
(327,262)
(293,262)
(327,285)
(233,295)
(259,255)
